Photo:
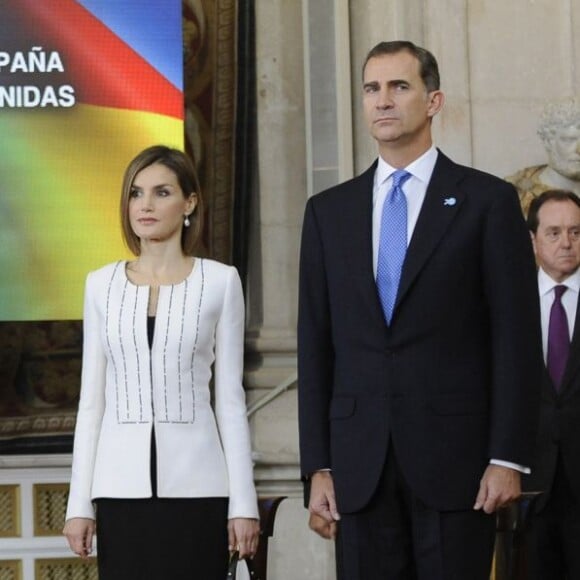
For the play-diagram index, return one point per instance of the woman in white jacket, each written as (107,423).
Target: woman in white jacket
(171,480)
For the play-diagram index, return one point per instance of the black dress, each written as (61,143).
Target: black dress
(162,538)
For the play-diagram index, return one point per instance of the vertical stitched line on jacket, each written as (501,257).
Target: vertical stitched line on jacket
(150,350)
(108,339)
(193,352)
(122,348)
(180,350)
(165,353)
(134,324)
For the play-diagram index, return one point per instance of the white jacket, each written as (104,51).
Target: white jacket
(127,388)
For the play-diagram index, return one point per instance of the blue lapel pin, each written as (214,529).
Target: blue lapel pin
(450,201)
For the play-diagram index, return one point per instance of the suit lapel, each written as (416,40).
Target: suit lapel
(442,202)
(573,364)
(356,214)
(358,247)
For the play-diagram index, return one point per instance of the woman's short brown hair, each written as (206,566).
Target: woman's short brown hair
(181,165)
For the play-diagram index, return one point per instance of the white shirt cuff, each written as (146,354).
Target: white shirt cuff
(517,467)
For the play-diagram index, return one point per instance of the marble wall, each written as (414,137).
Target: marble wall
(500,62)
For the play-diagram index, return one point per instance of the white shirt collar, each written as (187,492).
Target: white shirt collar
(421,168)
(546,283)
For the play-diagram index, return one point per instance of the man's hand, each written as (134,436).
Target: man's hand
(499,487)
(323,528)
(322,506)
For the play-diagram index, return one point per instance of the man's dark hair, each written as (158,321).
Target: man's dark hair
(428,67)
(550,195)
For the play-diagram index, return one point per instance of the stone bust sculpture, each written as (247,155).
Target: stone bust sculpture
(559,130)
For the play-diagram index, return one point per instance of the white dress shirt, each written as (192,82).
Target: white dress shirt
(546,287)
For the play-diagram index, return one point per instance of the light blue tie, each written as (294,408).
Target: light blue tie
(393,243)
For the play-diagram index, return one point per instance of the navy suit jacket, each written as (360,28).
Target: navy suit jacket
(454,379)
(559,429)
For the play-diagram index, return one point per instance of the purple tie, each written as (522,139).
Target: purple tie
(558,338)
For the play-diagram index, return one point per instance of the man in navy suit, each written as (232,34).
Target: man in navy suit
(553,544)
(418,415)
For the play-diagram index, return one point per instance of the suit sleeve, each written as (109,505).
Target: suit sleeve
(315,349)
(514,313)
(230,401)
(91,408)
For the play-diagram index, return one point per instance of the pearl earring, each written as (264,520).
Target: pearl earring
(186,221)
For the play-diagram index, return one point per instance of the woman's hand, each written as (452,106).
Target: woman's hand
(243,536)
(79,532)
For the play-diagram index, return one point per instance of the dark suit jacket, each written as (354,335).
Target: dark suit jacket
(559,429)
(453,381)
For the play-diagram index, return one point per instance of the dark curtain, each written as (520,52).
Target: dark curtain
(245,139)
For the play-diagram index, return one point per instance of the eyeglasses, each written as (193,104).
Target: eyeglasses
(553,235)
